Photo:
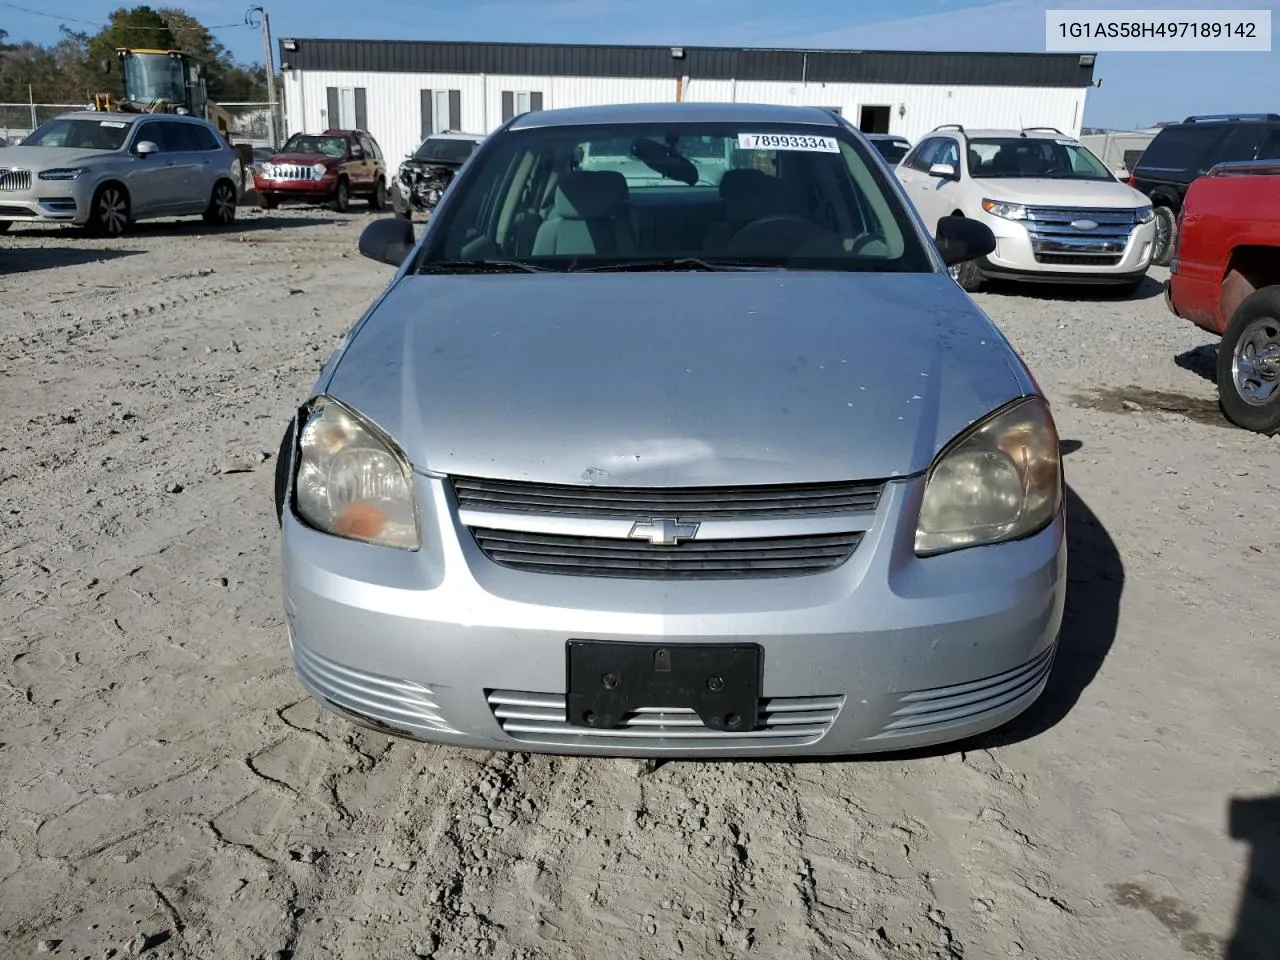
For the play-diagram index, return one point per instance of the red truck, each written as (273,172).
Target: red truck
(1225,278)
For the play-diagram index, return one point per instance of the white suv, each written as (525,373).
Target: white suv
(1058,213)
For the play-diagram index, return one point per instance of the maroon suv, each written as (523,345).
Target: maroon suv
(330,167)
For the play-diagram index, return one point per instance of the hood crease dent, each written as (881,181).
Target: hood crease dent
(676,379)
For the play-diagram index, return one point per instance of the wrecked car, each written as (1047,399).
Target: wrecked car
(425,173)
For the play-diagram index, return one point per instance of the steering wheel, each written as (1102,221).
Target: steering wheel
(778,236)
(862,241)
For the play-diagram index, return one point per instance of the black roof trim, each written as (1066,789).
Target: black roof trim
(702,63)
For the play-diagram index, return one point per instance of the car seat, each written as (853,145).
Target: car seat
(589,216)
(748,195)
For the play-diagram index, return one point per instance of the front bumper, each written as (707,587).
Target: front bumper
(885,652)
(303,191)
(1020,256)
(57,205)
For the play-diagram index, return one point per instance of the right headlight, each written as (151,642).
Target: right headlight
(1000,480)
(318,170)
(352,481)
(1006,209)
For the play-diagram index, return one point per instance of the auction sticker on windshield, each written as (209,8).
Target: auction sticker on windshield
(787,141)
(111,123)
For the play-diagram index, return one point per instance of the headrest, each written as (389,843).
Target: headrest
(590,194)
(752,194)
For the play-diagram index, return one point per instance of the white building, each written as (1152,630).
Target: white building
(403,90)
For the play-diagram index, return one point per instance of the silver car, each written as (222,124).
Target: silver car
(106,170)
(666,468)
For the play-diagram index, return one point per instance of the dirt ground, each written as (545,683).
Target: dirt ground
(169,790)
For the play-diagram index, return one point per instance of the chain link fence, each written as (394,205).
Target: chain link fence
(19,119)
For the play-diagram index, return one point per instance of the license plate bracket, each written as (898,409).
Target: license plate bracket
(608,680)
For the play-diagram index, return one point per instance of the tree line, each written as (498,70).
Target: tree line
(71,71)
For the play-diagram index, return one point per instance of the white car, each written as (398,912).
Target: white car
(106,170)
(1058,213)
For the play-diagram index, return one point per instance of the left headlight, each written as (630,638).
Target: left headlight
(62,173)
(319,170)
(1000,480)
(352,481)
(1003,208)
(1144,214)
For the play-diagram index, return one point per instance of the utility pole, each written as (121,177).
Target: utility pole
(271,70)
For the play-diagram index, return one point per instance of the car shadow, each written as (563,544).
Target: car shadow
(1080,293)
(1202,361)
(1256,821)
(18,259)
(187,227)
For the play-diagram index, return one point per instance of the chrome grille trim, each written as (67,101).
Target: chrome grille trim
(702,503)
(1055,240)
(290,171)
(541,718)
(691,560)
(13,180)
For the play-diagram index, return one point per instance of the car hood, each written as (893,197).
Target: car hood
(47,158)
(304,159)
(676,378)
(1075,193)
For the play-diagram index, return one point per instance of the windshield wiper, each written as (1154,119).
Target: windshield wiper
(674,263)
(481,266)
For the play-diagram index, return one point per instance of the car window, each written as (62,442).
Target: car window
(998,158)
(80,134)
(1241,144)
(947,152)
(774,195)
(206,138)
(1181,148)
(179,137)
(892,150)
(307,143)
(367,145)
(153,131)
(921,158)
(1270,149)
(448,150)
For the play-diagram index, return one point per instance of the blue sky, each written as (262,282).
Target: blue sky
(1137,88)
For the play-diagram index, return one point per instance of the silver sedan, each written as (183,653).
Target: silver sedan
(105,171)
(660,467)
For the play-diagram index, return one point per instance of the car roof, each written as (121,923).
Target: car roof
(886,136)
(454,135)
(130,117)
(1026,133)
(676,113)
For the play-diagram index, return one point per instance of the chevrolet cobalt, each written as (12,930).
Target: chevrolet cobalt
(671,436)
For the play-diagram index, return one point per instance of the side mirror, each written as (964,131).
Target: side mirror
(145,148)
(944,170)
(960,239)
(388,240)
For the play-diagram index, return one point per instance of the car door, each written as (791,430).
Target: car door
(912,174)
(940,195)
(370,161)
(153,180)
(357,165)
(190,164)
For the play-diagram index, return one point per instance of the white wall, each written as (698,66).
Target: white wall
(394,112)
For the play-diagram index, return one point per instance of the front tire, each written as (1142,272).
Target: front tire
(1249,364)
(967,275)
(267,202)
(341,197)
(284,460)
(378,199)
(1162,246)
(221,211)
(109,212)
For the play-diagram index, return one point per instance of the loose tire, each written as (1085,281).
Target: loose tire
(284,461)
(221,211)
(342,197)
(1166,227)
(109,211)
(1249,364)
(378,199)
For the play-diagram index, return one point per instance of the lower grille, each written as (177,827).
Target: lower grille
(922,710)
(1077,260)
(13,180)
(692,560)
(11,211)
(395,706)
(784,722)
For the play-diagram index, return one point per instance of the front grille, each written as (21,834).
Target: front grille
(14,180)
(540,718)
(924,710)
(692,560)
(1055,239)
(701,503)
(291,171)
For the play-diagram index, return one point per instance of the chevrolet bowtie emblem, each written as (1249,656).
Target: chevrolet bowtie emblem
(663,531)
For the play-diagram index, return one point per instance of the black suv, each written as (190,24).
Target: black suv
(1181,152)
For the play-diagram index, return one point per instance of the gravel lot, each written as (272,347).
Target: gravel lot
(169,790)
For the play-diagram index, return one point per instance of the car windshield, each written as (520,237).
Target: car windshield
(637,196)
(306,143)
(151,76)
(450,151)
(891,150)
(80,134)
(999,158)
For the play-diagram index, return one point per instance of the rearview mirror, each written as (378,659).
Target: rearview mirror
(944,170)
(145,148)
(960,239)
(388,240)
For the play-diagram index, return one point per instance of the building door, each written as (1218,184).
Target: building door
(874,120)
